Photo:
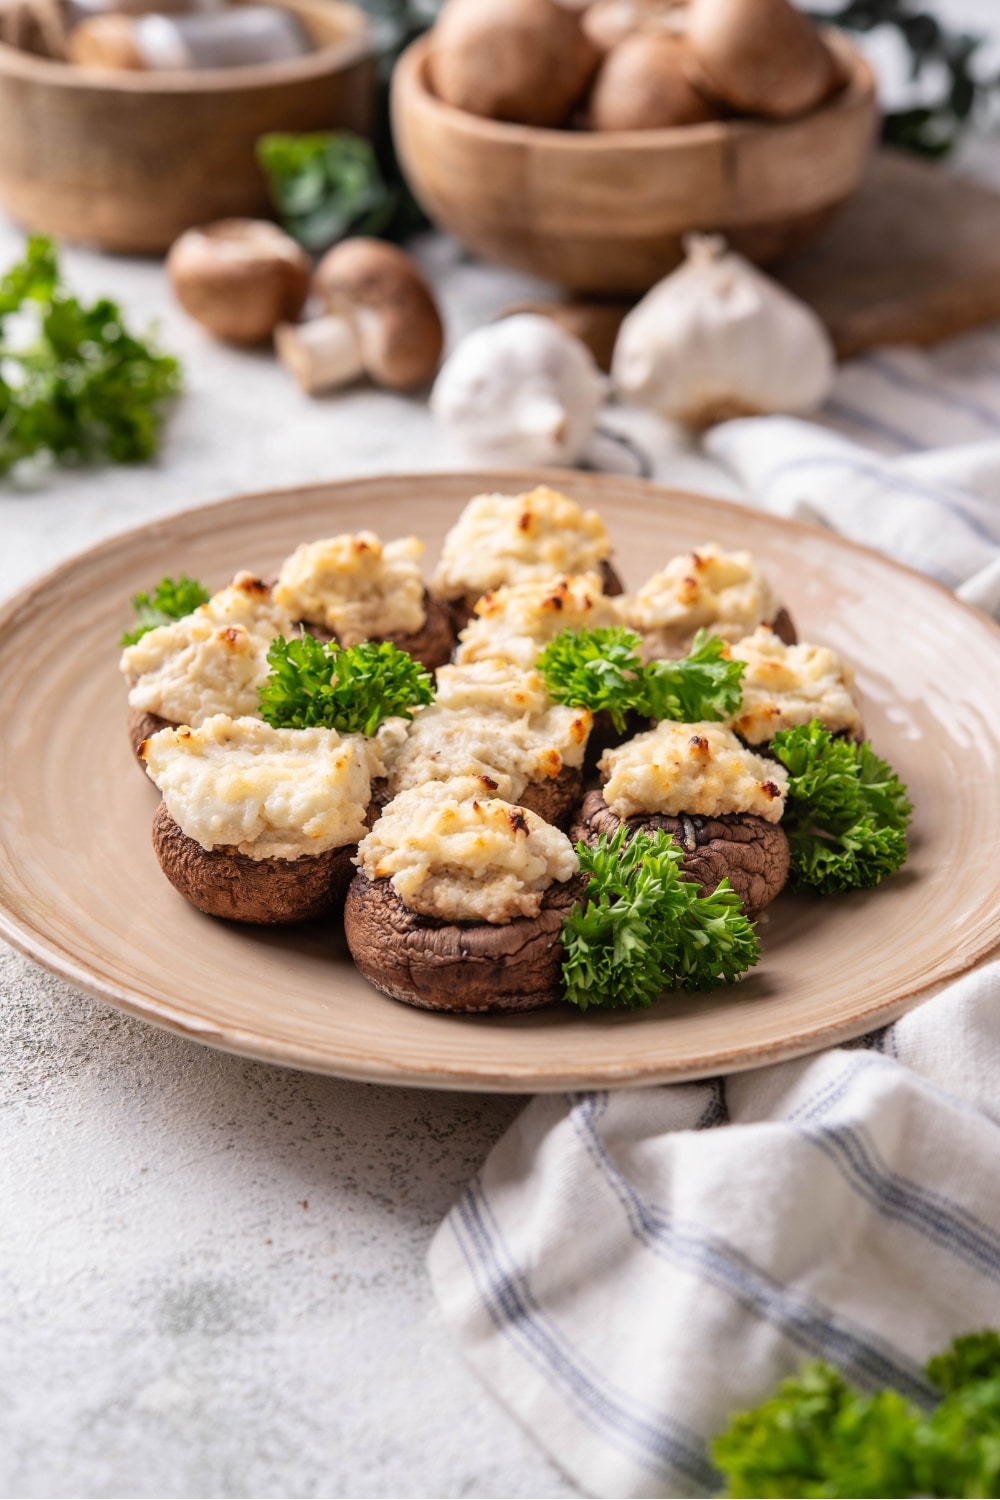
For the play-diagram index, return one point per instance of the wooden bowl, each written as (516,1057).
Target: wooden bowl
(129,160)
(607,212)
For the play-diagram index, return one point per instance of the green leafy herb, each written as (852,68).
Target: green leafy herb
(602,669)
(313,684)
(816,1436)
(172,599)
(846,812)
(641,929)
(596,669)
(705,684)
(326,186)
(77,386)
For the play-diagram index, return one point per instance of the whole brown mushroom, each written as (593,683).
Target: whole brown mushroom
(642,85)
(608,22)
(527,61)
(380,319)
(239,278)
(761,57)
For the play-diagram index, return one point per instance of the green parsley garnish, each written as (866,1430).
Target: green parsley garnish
(595,669)
(172,599)
(641,929)
(602,669)
(816,1436)
(846,812)
(79,386)
(315,684)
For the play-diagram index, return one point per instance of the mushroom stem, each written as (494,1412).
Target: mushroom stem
(321,354)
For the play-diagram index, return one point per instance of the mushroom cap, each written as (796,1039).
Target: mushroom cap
(105,42)
(141,727)
(239,278)
(431,645)
(527,61)
(762,57)
(468,967)
(557,798)
(642,85)
(608,22)
(225,883)
(397,320)
(752,853)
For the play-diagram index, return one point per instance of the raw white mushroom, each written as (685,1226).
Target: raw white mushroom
(521,390)
(718,339)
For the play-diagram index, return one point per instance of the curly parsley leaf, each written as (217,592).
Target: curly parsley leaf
(816,1436)
(641,929)
(602,669)
(326,185)
(75,385)
(596,669)
(171,599)
(846,811)
(316,684)
(705,684)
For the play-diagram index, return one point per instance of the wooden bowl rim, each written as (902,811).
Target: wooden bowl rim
(409,75)
(329,58)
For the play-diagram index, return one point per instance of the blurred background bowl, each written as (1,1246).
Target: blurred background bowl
(606,212)
(127,160)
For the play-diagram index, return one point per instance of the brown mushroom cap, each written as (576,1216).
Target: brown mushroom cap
(470,967)
(608,22)
(751,852)
(762,57)
(527,61)
(431,645)
(642,85)
(555,799)
(239,278)
(105,42)
(380,288)
(225,883)
(141,727)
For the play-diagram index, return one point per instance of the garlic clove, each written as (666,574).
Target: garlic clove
(718,338)
(521,391)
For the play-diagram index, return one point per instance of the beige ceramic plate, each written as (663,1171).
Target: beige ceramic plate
(81,892)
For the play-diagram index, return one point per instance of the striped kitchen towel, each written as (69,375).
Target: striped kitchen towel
(629,1269)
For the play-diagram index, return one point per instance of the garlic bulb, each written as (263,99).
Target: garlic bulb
(522,390)
(717,339)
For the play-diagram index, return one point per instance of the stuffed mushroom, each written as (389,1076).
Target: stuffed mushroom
(353,588)
(459,901)
(513,539)
(259,824)
(786,685)
(720,802)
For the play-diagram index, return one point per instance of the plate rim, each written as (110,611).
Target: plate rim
(22,932)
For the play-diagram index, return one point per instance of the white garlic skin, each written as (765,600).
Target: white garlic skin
(521,391)
(717,339)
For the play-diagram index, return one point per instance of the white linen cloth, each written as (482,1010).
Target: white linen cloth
(629,1269)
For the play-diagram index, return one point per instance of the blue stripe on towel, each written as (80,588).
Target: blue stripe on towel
(802,1319)
(949,399)
(654,1441)
(867,423)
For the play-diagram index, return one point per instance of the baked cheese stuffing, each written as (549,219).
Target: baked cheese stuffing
(518,620)
(451,853)
(354,586)
(700,769)
(725,592)
(273,793)
(491,721)
(502,539)
(211,661)
(788,685)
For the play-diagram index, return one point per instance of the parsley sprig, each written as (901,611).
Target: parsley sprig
(602,669)
(817,1436)
(316,684)
(641,929)
(846,811)
(78,385)
(171,599)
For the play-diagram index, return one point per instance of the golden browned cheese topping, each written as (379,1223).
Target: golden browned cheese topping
(354,586)
(700,769)
(454,853)
(788,685)
(724,592)
(519,620)
(503,539)
(210,662)
(273,793)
